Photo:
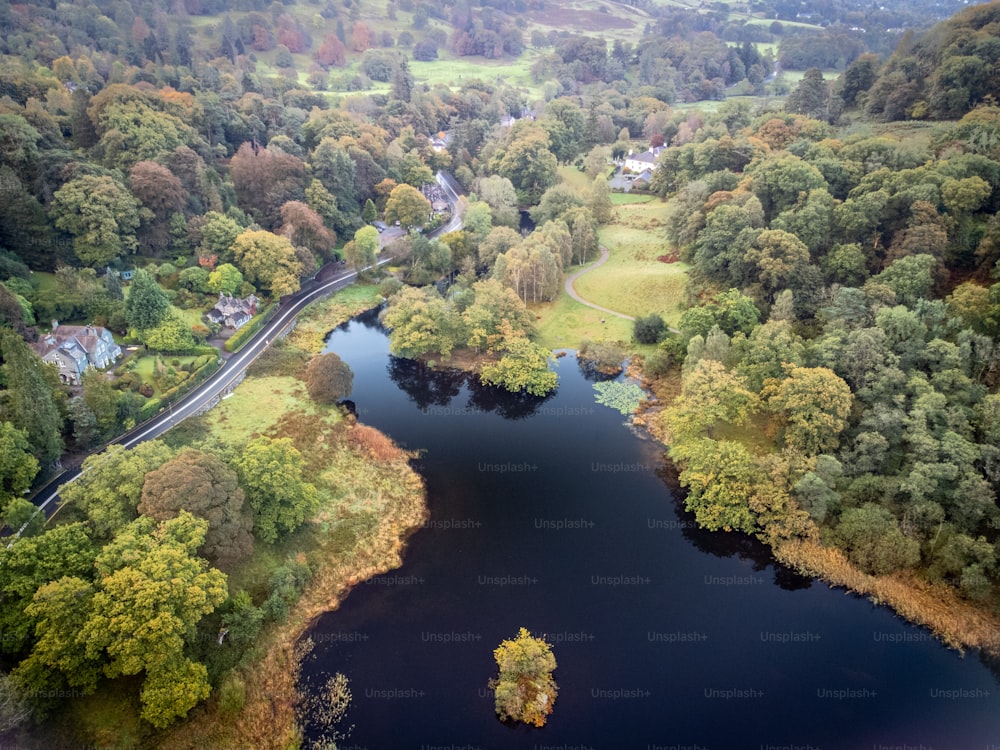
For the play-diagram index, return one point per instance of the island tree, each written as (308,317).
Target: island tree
(524,690)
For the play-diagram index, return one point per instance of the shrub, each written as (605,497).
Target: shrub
(648,330)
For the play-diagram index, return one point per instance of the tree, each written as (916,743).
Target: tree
(362,252)
(910,277)
(649,329)
(268,261)
(600,200)
(152,590)
(110,486)
(528,163)
(531,269)
(778,258)
(499,193)
(17,466)
(721,478)
(304,228)
(815,403)
(524,690)
(202,484)
(555,202)
(498,241)
(328,378)
(874,541)
(523,366)
(710,395)
(369,214)
(496,312)
(160,191)
(29,401)
(147,304)
(101,214)
(420,321)
(265,179)
(226,278)
(218,232)
(408,206)
(270,472)
(810,97)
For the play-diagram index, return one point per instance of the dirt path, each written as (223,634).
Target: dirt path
(571,291)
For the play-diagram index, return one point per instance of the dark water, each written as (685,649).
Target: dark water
(552,515)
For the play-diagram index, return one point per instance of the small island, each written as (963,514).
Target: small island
(524,690)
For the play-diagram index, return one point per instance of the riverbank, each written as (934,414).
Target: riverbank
(955,621)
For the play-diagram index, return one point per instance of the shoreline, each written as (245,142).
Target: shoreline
(956,622)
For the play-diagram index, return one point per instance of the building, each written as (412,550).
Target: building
(75,348)
(232,312)
(639,163)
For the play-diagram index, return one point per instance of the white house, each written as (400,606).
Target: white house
(638,163)
(75,348)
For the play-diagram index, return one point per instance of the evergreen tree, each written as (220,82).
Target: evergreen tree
(28,401)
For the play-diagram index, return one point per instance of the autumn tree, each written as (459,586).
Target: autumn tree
(522,365)
(202,484)
(328,378)
(408,206)
(420,321)
(160,191)
(266,179)
(270,472)
(524,690)
(304,227)
(268,261)
(815,403)
(101,215)
(496,312)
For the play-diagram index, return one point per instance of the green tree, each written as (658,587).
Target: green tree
(101,214)
(524,690)
(600,200)
(874,541)
(408,206)
(499,193)
(218,233)
(554,204)
(363,251)
(495,312)
(815,403)
(18,466)
(268,261)
(28,401)
(528,163)
(110,486)
(226,278)
(811,96)
(910,277)
(498,241)
(710,395)
(148,575)
(523,366)
(101,399)
(202,484)
(368,213)
(270,472)
(328,378)
(420,321)
(648,329)
(173,334)
(147,304)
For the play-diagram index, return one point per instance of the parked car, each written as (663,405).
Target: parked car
(380,226)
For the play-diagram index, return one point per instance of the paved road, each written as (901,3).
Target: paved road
(571,290)
(328,280)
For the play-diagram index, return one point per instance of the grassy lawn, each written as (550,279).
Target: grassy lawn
(574,178)
(633,281)
(565,323)
(145,367)
(622,199)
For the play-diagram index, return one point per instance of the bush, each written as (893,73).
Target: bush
(648,330)
(657,364)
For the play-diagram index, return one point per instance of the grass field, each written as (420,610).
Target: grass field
(633,281)
(563,324)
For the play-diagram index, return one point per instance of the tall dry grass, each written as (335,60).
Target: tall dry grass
(957,622)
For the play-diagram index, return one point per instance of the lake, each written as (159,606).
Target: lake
(554,515)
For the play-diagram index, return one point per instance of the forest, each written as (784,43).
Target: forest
(834,371)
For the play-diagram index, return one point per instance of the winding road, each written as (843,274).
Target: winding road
(571,290)
(234,369)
